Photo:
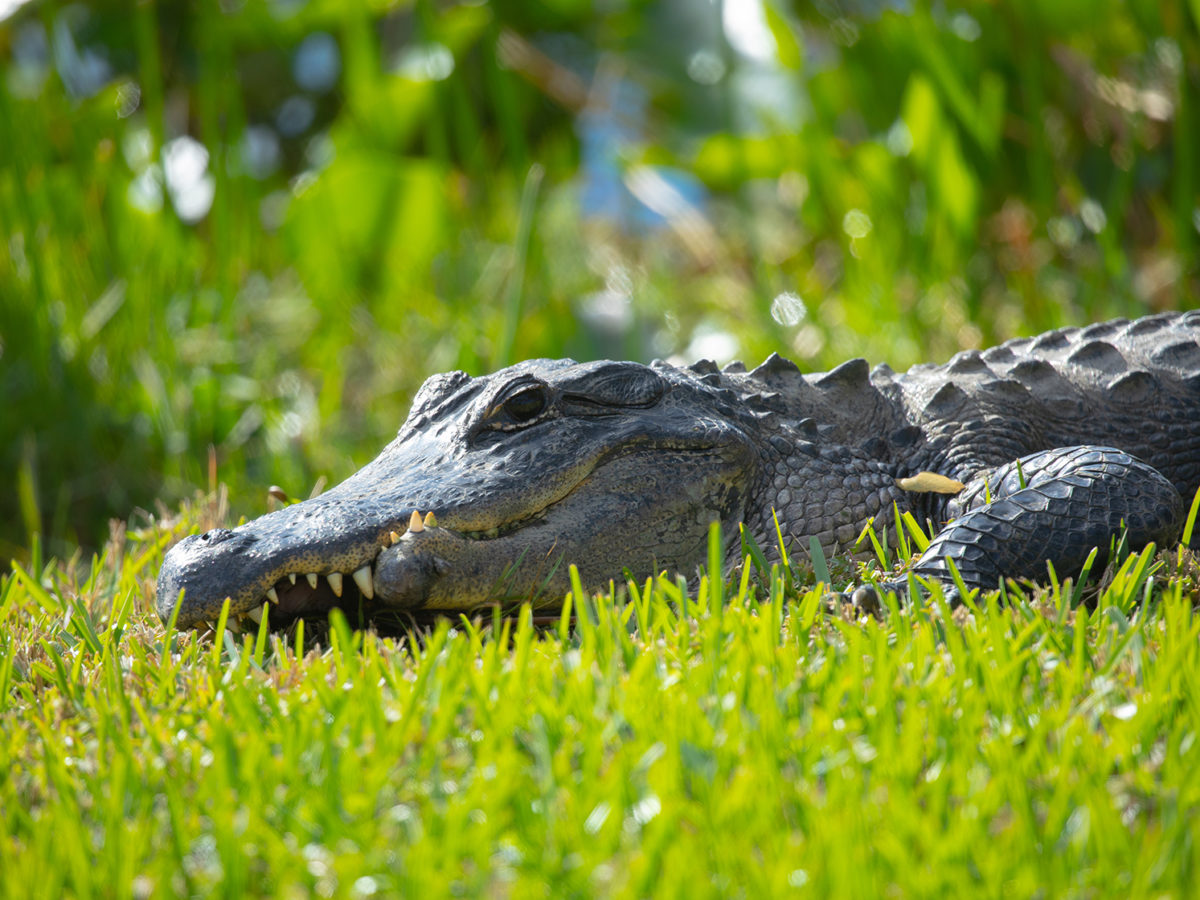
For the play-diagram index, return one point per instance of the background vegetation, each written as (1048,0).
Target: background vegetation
(253,228)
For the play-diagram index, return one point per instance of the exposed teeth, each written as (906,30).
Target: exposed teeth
(272,596)
(312,580)
(430,520)
(335,583)
(292,577)
(394,536)
(415,525)
(362,577)
(255,615)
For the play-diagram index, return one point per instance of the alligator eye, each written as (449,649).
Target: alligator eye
(526,405)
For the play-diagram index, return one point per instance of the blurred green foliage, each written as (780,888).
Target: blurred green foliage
(256,226)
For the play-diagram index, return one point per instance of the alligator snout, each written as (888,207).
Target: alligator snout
(303,559)
(403,565)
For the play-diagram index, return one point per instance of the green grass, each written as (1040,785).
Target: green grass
(747,741)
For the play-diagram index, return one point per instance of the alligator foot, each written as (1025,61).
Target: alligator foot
(1056,506)
(868,598)
(1053,506)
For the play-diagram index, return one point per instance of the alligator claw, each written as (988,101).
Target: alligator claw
(870,597)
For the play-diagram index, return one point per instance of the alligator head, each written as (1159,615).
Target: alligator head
(605,465)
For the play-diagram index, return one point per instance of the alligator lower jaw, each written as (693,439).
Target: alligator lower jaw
(298,595)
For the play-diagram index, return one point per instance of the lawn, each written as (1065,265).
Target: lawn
(237,236)
(739,739)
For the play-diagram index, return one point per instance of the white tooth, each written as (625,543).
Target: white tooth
(233,625)
(335,582)
(362,577)
(312,580)
(415,524)
(272,596)
(292,577)
(255,615)
(394,535)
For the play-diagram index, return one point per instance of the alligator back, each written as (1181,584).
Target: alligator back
(1131,385)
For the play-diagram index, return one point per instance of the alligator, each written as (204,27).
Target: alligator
(1036,450)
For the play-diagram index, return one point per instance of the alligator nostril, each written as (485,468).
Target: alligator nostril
(216,535)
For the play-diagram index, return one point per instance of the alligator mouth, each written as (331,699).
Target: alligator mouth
(420,565)
(310,594)
(306,594)
(302,595)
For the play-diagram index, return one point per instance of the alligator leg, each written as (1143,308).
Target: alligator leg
(1054,505)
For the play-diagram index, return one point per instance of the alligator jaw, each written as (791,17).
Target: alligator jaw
(329,543)
(311,579)
(308,558)
(415,561)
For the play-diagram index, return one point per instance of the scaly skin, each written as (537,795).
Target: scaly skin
(620,468)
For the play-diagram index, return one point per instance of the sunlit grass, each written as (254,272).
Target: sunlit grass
(742,740)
